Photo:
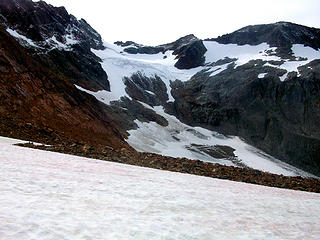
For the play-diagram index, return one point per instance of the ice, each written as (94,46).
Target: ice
(173,139)
(46,195)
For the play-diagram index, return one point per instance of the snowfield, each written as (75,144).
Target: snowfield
(46,195)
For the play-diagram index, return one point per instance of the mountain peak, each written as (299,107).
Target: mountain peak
(281,34)
(39,21)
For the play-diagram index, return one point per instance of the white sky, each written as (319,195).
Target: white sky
(158,22)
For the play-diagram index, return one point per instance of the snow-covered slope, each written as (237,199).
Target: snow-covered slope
(180,140)
(46,195)
(119,64)
(151,137)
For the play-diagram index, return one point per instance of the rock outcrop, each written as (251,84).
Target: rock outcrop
(59,40)
(189,50)
(190,55)
(281,35)
(281,118)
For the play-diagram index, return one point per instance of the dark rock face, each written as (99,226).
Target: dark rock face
(281,118)
(141,89)
(126,111)
(281,35)
(41,22)
(150,90)
(144,50)
(127,43)
(189,50)
(180,42)
(191,55)
(135,48)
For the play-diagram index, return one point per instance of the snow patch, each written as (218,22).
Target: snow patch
(218,69)
(52,42)
(262,75)
(243,54)
(23,40)
(102,95)
(152,93)
(303,55)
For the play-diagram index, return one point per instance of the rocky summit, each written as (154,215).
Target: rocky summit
(248,99)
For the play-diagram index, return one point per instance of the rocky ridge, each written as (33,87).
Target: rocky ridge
(281,35)
(58,40)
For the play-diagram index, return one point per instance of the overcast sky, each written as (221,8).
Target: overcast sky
(153,22)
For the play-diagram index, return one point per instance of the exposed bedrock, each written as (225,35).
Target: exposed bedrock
(281,118)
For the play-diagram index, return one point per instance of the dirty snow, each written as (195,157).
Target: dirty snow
(46,195)
(173,139)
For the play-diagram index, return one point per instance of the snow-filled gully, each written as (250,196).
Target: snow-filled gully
(46,195)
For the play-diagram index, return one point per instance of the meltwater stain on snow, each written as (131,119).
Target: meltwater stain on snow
(46,195)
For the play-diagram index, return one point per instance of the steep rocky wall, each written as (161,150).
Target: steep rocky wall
(281,118)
